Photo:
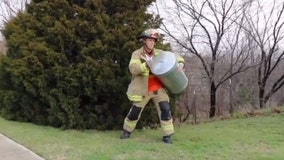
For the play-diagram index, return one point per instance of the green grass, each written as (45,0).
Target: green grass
(260,138)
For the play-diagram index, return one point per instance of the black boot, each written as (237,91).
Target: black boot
(167,139)
(125,134)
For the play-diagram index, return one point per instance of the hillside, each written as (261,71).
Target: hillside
(258,138)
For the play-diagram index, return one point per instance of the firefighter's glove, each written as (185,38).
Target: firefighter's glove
(149,61)
(180,67)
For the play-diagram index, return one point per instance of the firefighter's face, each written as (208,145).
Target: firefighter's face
(150,43)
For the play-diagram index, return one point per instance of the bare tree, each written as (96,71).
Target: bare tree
(205,28)
(267,31)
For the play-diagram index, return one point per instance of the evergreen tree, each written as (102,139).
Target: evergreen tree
(67,62)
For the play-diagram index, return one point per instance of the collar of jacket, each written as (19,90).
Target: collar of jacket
(154,51)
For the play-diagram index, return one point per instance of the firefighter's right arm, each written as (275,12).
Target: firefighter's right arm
(137,67)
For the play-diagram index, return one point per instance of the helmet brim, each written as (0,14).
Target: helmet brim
(144,37)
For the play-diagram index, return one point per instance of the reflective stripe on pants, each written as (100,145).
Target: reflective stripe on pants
(156,97)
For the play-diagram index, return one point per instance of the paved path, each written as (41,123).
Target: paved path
(10,150)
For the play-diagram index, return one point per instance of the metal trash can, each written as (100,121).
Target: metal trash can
(165,67)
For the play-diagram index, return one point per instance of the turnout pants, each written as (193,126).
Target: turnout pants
(161,101)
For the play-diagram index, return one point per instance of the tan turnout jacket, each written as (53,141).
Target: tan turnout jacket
(138,86)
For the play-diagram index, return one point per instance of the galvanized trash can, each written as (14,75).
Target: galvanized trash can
(165,67)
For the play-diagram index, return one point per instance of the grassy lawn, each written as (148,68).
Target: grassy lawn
(260,138)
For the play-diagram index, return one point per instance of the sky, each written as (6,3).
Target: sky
(167,10)
(165,7)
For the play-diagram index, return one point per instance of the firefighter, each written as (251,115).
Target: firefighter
(144,87)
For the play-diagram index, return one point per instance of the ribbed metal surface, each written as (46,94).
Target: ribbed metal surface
(165,67)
